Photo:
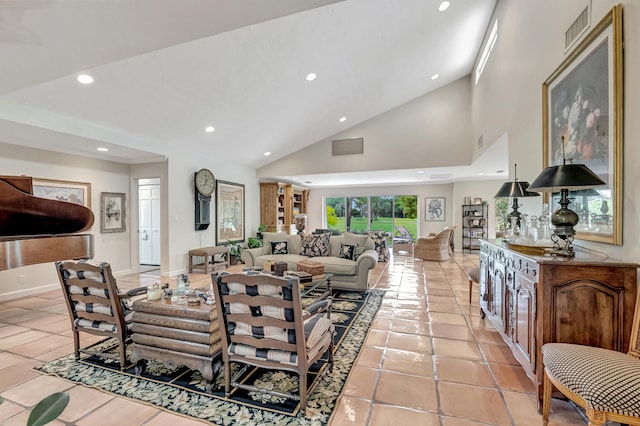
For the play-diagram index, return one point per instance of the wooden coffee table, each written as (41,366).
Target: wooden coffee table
(176,335)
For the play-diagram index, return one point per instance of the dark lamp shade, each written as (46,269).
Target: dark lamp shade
(515,189)
(568,176)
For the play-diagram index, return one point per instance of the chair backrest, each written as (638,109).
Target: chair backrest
(91,295)
(634,341)
(261,312)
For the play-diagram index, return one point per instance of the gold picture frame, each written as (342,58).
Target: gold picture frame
(63,190)
(582,109)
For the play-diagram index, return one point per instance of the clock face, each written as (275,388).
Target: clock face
(205,182)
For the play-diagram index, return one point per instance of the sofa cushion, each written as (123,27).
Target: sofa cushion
(335,265)
(315,245)
(269,237)
(356,240)
(279,247)
(294,244)
(347,251)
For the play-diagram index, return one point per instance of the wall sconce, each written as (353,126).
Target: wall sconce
(516,190)
(565,178)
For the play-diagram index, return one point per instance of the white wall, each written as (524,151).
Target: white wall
(397,139)
(508,98)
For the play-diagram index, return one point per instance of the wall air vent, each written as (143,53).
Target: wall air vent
(440,176)
(577,28)
(353,146)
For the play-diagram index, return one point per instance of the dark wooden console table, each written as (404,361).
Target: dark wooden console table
(176,335)
(533,300)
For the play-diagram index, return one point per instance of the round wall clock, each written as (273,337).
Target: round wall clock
(205,182)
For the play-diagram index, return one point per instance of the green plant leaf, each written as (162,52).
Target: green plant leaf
(48,409)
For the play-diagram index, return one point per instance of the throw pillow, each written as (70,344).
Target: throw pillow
(279,247)
(315,245)
(347,251)
(269,237)
(356,240)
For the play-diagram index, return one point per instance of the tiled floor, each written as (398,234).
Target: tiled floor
(428,360)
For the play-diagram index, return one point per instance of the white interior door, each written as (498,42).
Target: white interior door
(149,222)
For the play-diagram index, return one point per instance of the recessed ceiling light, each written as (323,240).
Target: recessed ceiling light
(433,77)
(343,119)
(311,76)
(443,6)
(266,154)
(85,79)
(420,171)
(295,178)
(500,171)
(209,129)
(480,174)
(101,149)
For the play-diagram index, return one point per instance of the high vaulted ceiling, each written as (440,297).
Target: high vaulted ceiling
(166,69)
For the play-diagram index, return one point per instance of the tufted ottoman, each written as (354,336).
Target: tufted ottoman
(605,382)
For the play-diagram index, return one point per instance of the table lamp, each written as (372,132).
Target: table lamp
(565,178)
(515,190)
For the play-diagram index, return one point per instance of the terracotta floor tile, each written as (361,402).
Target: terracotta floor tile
(362,382)
(370,356)
(449,308)
(31,392)
(400,389)
(433,298)
(17,373)
(411,315)
(473,403)
(44,345)
(416,363)
(82,401)
(456,348)
(410,342)
(386,415)
(463,371)
(11,330)
(445,291)
(381,324)
(512,377)
(8,409)
(439,317)
(377,338)
(451,331)
(21,418)
(452,421)
(410,327)
(488,336)
(9,342)
(498,353)
(119,412)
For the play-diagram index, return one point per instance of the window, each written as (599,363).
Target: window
(486,52)
(379,213)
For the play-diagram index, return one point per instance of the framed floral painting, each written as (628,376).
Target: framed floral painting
(582,120)
(434,209)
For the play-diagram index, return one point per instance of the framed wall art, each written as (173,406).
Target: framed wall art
(63,190)
(434,209)
(229,212)
(582,122)
(112,212)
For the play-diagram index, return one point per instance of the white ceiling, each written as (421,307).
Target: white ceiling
(166,69)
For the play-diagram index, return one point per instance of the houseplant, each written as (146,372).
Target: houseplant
(253,242)
(261,229)
(234,252)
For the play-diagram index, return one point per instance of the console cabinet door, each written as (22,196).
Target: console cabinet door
(524,333)
(497,284)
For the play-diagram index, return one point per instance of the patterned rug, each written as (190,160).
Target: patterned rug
(182,391)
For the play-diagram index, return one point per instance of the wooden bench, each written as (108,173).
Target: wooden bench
(209,254)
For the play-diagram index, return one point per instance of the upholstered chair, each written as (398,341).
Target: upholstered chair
(605,383)
(95,305)
(435,246)
(265,325)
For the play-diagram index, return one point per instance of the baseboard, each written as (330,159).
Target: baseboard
(20,294)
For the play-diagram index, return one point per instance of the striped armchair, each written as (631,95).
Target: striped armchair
(95,305)
(266,326)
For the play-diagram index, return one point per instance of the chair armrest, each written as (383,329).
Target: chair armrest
(317,307)
(368,259)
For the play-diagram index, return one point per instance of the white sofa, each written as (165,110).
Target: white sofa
(347,274)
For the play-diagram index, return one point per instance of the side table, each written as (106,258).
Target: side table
(209,254)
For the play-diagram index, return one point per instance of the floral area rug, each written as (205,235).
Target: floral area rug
(183,391)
